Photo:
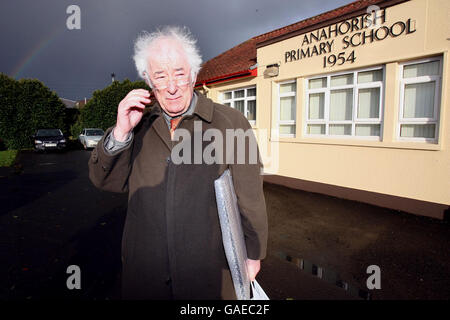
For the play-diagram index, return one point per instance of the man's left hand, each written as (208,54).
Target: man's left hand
(253,267)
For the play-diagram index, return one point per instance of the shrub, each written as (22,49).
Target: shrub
(101,110)
(25,106)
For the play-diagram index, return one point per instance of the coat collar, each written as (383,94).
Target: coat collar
(204,109)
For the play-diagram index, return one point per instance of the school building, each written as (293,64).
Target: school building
(352,103)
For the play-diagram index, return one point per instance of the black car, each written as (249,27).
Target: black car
(49,139)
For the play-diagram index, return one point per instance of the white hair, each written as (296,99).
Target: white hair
(143,44)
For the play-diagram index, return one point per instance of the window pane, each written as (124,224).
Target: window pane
(239,105)
(227,95)
(287,129)
(341,104)
(367,130)
(316,105)
(239,93)
(419,100)
(316,129)
(342,80)
(287,87)
(417,130)
(341,129)
(317,83)
(251,107)
(251,92)
(369,103)
(227,104)
(370,76)
(421,69)
(287,108)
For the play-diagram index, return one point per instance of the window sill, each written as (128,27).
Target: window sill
(363,143)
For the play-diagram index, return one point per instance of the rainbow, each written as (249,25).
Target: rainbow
(35,51)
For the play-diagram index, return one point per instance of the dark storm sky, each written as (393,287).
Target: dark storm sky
(35,42)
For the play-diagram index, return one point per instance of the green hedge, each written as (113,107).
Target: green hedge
(101,110)
(25,106)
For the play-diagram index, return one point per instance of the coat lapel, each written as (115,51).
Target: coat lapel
(204,109)
(162,130)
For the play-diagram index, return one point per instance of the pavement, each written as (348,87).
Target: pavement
(331,242)
(319,246)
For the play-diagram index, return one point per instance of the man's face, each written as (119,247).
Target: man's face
(170,74)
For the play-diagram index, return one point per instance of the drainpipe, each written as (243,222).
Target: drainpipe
(206,89)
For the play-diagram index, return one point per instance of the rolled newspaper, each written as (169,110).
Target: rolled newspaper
(232,234)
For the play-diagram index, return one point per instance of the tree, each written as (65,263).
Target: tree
(101,110)
(9,90)
(25,106)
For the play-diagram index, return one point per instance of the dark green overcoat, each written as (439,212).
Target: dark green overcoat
(172,243)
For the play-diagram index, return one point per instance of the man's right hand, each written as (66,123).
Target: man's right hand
(130,112)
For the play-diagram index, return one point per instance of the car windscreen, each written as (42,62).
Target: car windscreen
(48,132)
(96,132)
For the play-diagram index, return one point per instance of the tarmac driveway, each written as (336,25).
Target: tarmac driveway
(52,217)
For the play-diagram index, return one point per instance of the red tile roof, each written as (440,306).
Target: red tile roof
(237,59)
(240,58)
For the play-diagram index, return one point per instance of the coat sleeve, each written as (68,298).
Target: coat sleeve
(110,172)
(248,185)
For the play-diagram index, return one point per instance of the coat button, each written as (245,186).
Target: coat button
(94,156)
(168,159)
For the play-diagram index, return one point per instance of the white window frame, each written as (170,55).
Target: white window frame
(354,121)
(246,98)
(287,122)
(436,106)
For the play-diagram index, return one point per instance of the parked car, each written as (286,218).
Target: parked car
(89,137)
(49,139)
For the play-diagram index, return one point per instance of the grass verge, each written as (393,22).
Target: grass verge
(8,157)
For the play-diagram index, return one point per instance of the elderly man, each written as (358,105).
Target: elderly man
(172,244)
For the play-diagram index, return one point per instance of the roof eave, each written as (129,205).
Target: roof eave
(326,22)
(229,77)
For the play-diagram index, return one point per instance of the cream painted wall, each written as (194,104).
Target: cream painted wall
(414,170)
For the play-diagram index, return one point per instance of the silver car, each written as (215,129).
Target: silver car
(89,137)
